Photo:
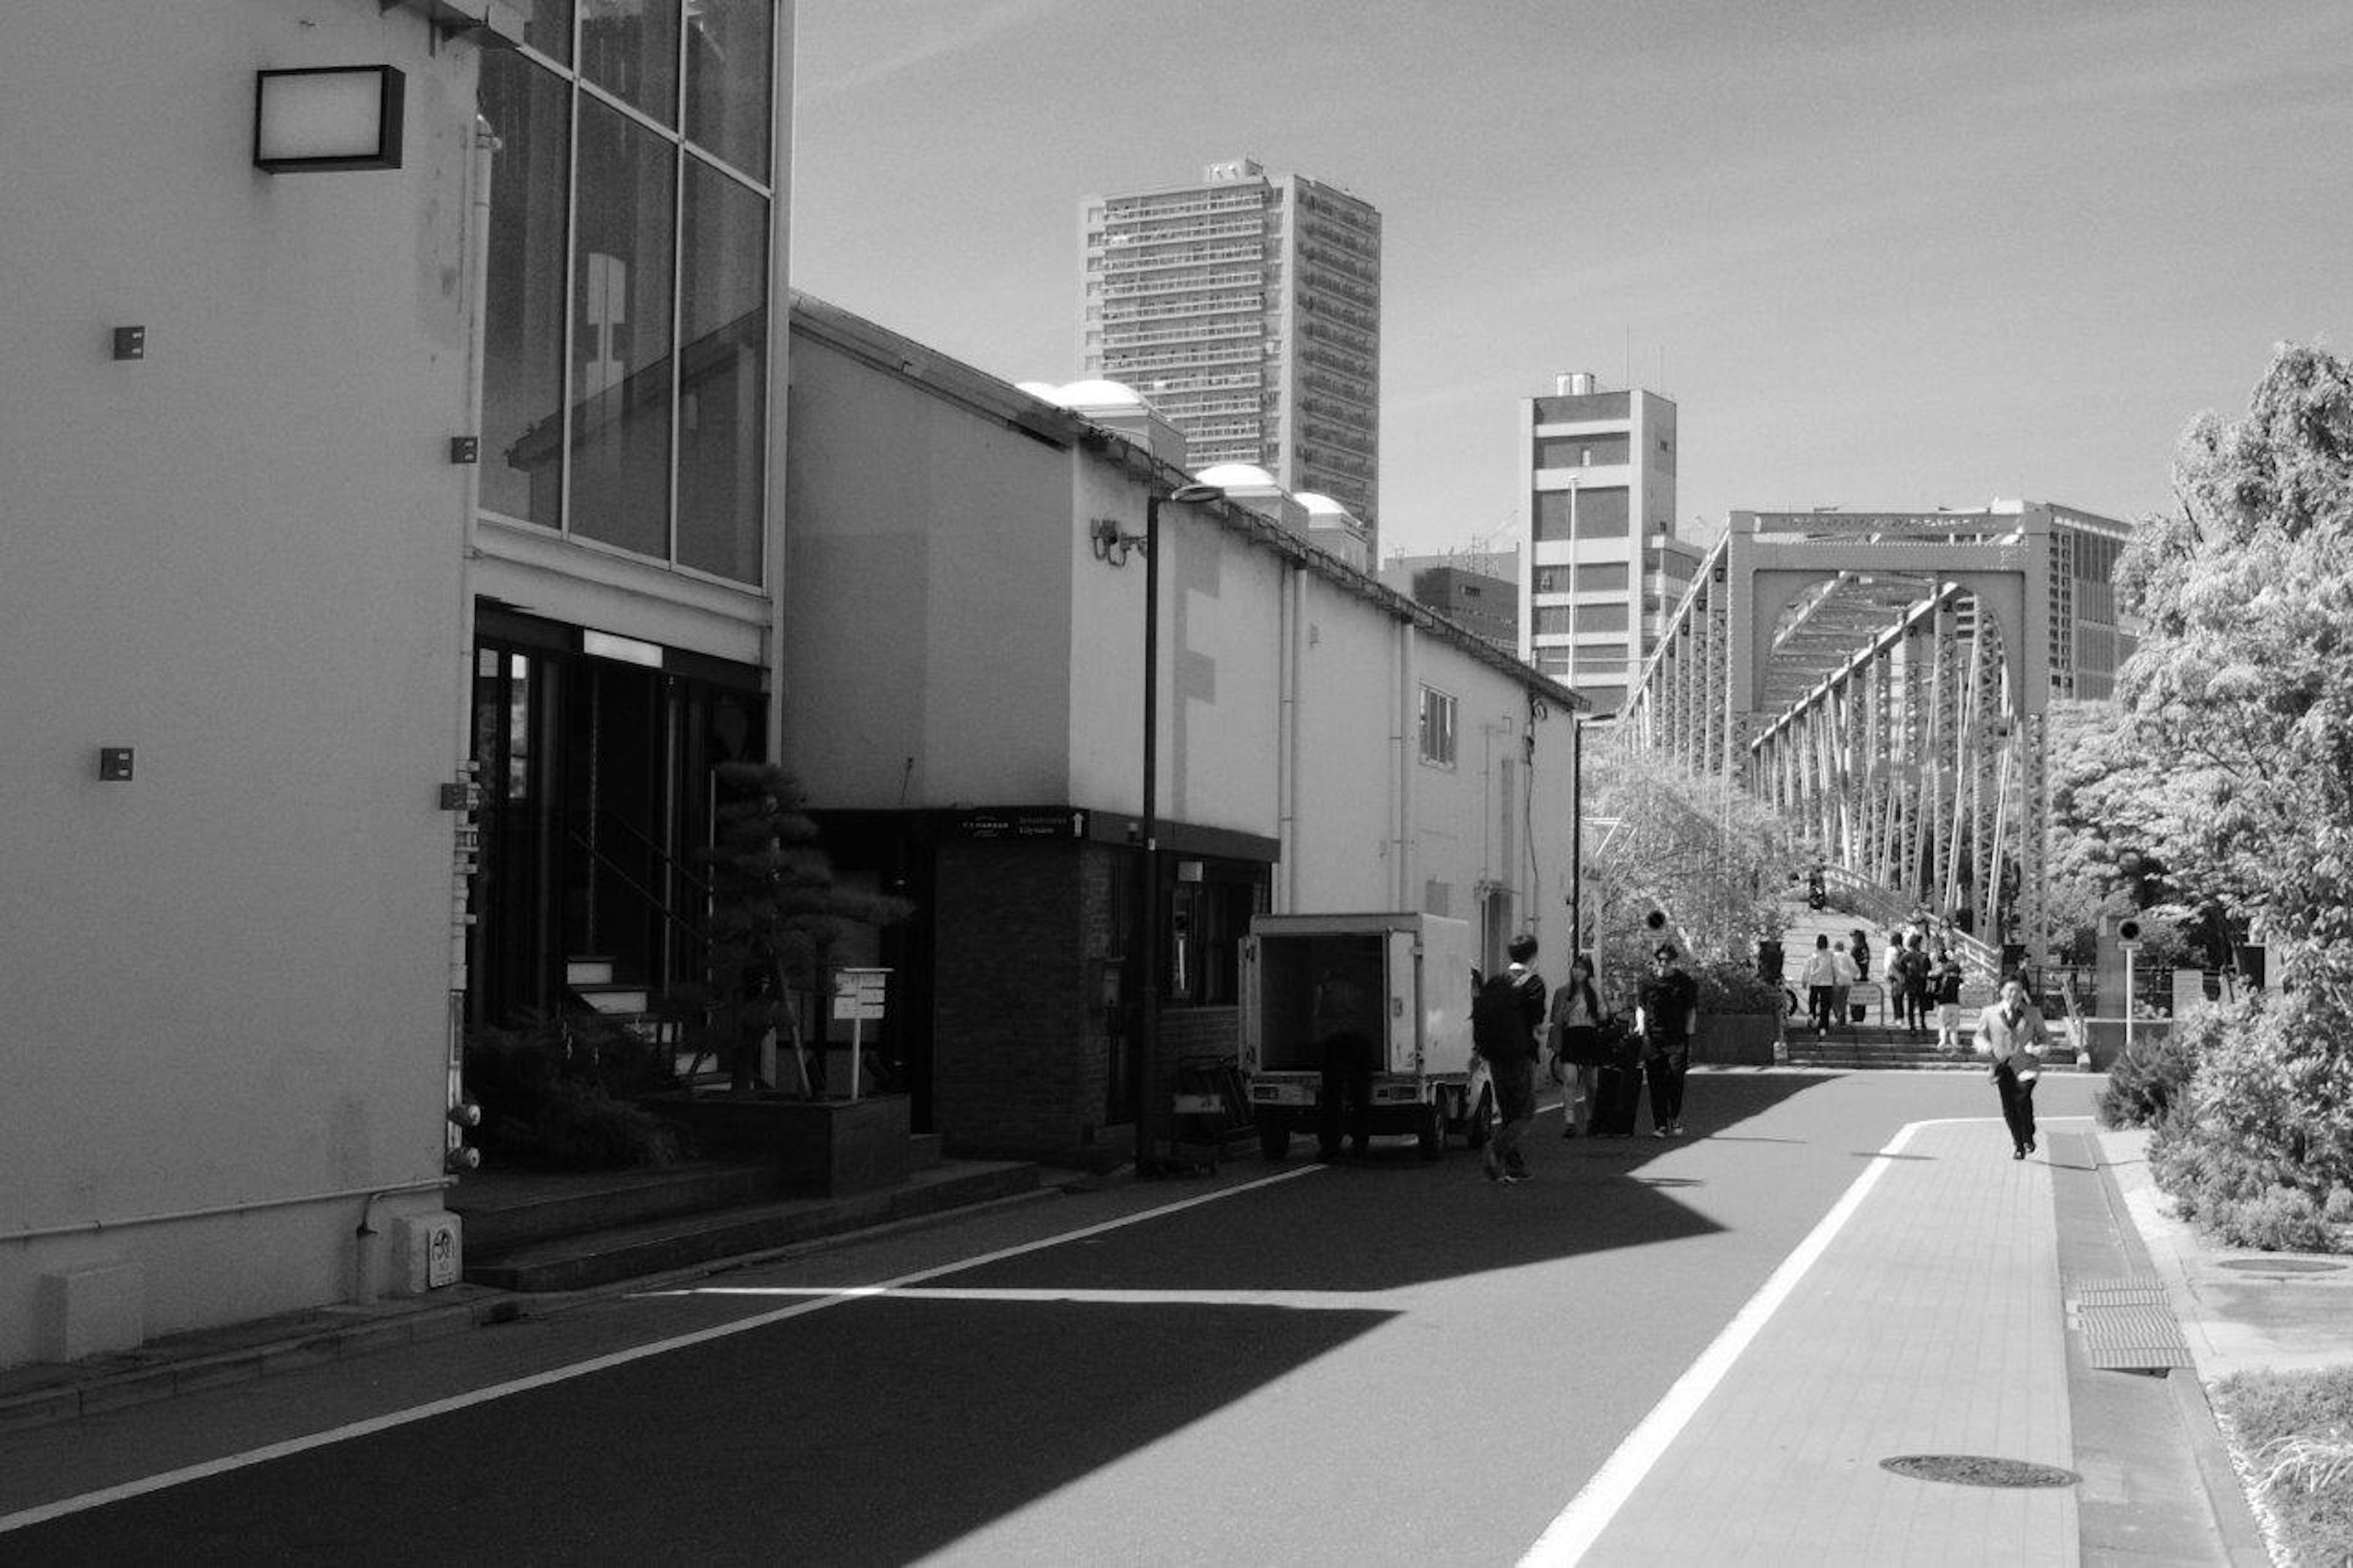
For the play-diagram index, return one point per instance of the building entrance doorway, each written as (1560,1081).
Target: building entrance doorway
(597,792)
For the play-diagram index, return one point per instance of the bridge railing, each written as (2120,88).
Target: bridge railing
(1885,907)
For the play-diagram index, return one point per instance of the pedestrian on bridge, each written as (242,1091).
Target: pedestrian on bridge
(1945,983)
(1845,975)
(1820,977)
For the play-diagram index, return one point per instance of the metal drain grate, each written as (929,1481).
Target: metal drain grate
(2127,1324)
(2135,1291)
(1978,1471)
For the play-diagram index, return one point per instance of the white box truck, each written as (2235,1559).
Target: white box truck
(1402,983)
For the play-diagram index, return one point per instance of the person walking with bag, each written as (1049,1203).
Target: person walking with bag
(1576,1022)
(1506,1014)
(2012,1033)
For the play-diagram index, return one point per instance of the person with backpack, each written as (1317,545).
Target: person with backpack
(1506,1012)
(1911,973)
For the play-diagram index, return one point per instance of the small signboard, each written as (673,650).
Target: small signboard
(860,993)
(1031,822)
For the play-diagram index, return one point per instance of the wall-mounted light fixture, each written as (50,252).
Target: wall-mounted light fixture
(1108,544)
(326,117)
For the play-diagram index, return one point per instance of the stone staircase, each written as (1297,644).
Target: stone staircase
(1873,1046)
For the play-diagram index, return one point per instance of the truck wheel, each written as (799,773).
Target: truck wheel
(1274,1137)
(1482,1125)
(1430,1132)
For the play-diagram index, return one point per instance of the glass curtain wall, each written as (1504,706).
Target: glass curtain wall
(626,303)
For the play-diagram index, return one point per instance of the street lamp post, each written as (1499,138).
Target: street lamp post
(1147,1031)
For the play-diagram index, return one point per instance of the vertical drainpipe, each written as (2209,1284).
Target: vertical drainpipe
(779,389)
(1409,701)
(1284,893)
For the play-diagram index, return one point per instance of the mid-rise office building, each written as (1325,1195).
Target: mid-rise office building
(1603,562)
(1477,589)
(1247,307)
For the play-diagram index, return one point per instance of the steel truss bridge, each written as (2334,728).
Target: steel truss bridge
(1881,679)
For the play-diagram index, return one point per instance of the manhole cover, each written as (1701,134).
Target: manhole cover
(1977,1470)
(2282,1265)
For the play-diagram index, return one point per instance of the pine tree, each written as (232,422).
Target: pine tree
(778,915)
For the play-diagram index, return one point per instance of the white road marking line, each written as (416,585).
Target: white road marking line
(1567,1539)
(146,1484)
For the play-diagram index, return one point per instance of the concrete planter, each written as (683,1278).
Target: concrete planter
(1735,1040)
(820,1148)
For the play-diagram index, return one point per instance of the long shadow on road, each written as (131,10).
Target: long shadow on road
(901,1425)
(1393,1220)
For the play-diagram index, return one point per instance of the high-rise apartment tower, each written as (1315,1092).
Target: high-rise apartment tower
(1247,307)
(1603,563)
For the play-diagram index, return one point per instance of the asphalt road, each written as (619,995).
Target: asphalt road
(1378,1362)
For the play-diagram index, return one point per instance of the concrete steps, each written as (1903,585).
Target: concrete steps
(572,1233)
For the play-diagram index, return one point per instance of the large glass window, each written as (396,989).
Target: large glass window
(1588,513)
(547,27)
(530,111)
(728,48)
(653,438)
(620,333)
(722,374)
(629,47)
(1581,451)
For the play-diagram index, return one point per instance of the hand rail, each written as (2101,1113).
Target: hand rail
(1884,907)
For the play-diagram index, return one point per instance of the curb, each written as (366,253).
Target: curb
(170,1376)
(2227,1502)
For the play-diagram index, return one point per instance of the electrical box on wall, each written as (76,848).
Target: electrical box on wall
(430,1250)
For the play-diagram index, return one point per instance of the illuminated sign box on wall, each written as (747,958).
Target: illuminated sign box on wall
(327,117)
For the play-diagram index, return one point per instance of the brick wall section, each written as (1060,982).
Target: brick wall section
(1017,1044)
(1021,1055)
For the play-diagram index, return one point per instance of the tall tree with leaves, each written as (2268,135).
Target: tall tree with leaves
(2243,691)
(2243,681)
(1702,851)
(778,915)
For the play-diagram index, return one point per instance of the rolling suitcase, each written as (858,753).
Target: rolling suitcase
(1616,1097)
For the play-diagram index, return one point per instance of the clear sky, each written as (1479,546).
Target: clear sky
(1881,253)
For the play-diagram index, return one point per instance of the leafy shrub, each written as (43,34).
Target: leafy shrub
(547,1087)
(2261,1145)
(2154,1075)
(1730,988)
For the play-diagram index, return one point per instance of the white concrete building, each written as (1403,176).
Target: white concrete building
(1597,512)
(1248,307)
(324,482)
(966,625)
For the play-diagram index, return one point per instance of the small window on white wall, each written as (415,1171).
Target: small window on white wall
(1436,727)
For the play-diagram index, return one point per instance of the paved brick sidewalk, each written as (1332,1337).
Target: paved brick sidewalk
(1932,1322)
